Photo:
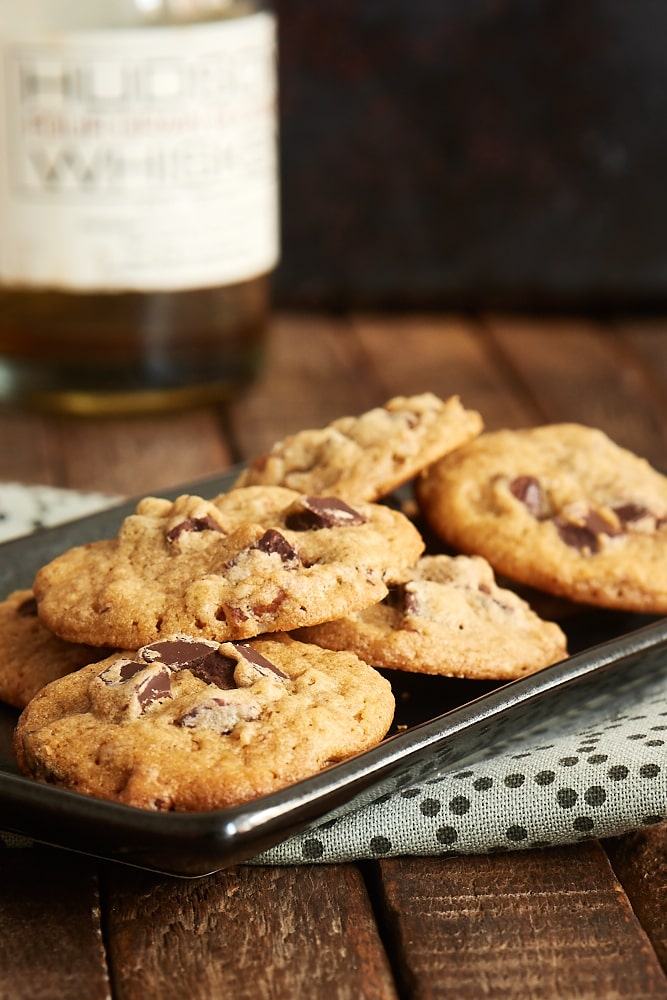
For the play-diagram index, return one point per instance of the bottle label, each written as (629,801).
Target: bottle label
(141,159)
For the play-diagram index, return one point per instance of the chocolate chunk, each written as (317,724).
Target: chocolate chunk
(528,490)
(27,608)
(214,669)
(258,661)
(599,525)
(404,598)
(411,603)
(577,536)
(629,512)
(177,652)
(261,610)
(227,612)
(154,687)
(273,542)
(313,513)
(126,670)
(395,597)
(201,658)
(195,524)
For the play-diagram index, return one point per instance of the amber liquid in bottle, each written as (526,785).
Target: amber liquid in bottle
(90,347)
(130,352)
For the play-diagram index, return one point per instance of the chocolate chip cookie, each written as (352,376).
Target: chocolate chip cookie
(366,457)
(449,617)
(186,724)
(30,655)
(257,559)
(561,508)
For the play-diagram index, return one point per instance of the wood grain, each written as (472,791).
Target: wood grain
(314,373)
(255,933)
(543,924)
(640,863)
(578,370)
(447,355)
(50,934)
(539,924)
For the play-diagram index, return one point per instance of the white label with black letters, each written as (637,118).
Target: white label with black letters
(141,159)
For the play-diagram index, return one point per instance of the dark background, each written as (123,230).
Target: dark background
(473,153)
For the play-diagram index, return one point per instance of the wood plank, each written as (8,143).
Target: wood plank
(252,933)
(314,373)
(127,456)
(540,924)
(640,863)
(447,355)
(139,455)
(646,339)
(579,371)
(28,449)
(50,936)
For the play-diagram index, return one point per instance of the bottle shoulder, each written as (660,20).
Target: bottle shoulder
(34,17)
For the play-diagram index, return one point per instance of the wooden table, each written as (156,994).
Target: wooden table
(583,921)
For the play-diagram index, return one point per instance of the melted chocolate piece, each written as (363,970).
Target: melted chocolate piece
(27,608)
(529,491)
(629,512)
(411,603)
(273,542)
(193,524)
(153,688)
(260,610)
(259,662)
(215,669)
(395,597)
(126,671)
(200,658)
(176,652)
(577,536)
(228,612)
(403,597)
(314,513)
(599,526)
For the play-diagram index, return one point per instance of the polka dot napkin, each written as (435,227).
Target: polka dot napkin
(600,772)
(599,769)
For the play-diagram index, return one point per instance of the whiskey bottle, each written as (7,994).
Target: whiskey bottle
(138,201)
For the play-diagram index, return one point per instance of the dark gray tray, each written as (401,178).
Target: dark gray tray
(440,724)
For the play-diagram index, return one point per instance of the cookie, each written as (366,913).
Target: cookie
(30,655)
(193,725)
(257,559)
(366,457)
(448,617)
(561,508)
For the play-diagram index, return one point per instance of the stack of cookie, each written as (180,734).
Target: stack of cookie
(248,628)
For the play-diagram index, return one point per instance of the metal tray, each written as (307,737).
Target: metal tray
(441,723)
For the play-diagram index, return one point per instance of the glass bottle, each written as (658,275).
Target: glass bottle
(138,201)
